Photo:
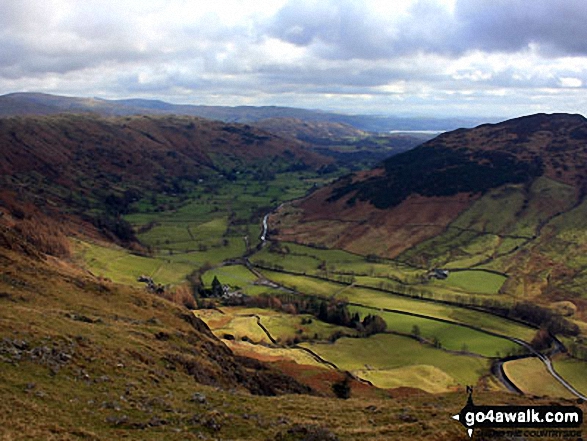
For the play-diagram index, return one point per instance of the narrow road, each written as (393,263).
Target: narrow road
(497,368)
(550,368)
(499,372)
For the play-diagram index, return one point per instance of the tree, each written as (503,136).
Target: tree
(373,324)
(216,287)
(323,312)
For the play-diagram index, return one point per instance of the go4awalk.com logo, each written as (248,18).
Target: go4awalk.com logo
(529,421)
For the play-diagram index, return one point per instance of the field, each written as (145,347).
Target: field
(573,371)
(389,352)
(237,276)
(448,336)
(336,264)
(428,378)
(238,321)
(213,229)
(381,300)
(531,376)
(461,286)
(120,266)
(481,282)
(385,360)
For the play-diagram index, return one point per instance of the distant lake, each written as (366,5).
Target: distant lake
(416,132)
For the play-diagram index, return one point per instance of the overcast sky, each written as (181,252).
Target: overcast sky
(400,57)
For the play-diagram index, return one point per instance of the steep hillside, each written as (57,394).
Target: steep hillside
(505,197)
(88,169)
(83,358)
(135,148)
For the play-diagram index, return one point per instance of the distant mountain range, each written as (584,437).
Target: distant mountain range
(44,104)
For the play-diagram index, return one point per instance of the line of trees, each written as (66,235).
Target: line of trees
(331,311)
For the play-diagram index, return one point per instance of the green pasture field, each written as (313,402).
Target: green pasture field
(286,326)
(236,276)
(378,299)
(531,376)
(239,321)
(485,321)
(215,254)
(305,259)
(118,265)
(386,351)
(451,337)
(574,371)
(474,281)
(303,284)
(289,262)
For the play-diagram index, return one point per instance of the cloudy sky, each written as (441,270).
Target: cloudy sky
(400,57)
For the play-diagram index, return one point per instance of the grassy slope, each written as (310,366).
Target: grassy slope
(391,351)
(573,371)
(378,299)
(120,381)
(531,376)
(94,352)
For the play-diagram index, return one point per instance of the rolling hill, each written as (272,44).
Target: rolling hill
(504,197)
(44,104)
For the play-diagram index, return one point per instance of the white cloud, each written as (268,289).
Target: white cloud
(408,56)
(571,82)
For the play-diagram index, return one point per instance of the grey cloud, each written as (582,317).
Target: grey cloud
(344,29)
(558,27)
(338,29)
(346,49)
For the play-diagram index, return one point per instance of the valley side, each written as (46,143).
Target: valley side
(168,276)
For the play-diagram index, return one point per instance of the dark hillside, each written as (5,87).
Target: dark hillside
(440,171)
(477,160)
